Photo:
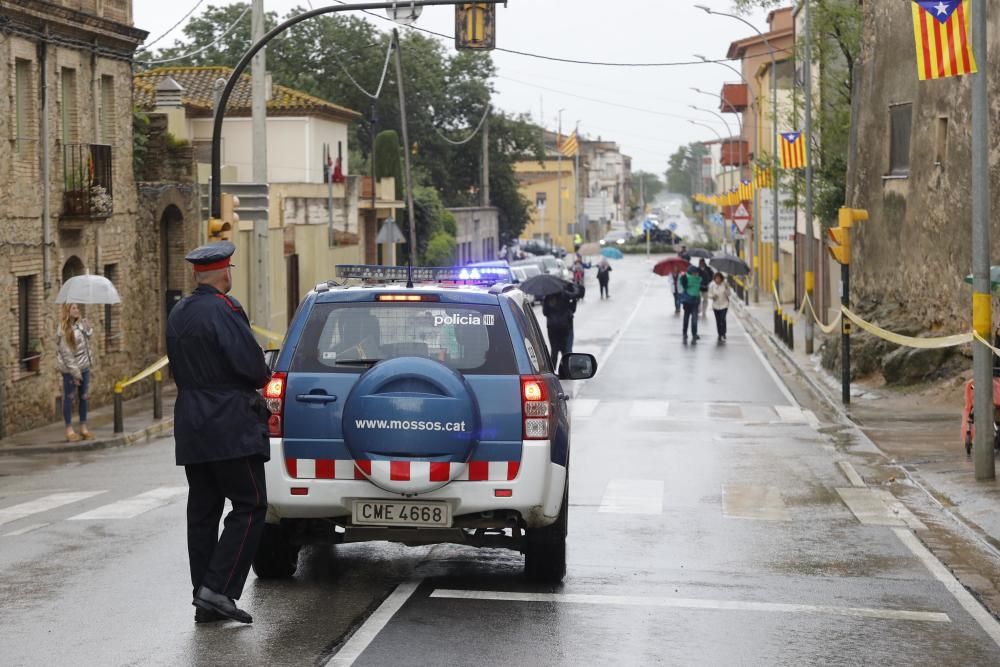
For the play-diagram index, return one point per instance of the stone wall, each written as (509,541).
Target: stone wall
(911,257)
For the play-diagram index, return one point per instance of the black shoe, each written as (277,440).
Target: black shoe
(209,600)
(695,337)
(207,616)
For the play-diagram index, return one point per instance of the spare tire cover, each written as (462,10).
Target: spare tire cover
(417,422)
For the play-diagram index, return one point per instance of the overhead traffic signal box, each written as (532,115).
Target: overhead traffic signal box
(220,229)
(839,242)
(475,26)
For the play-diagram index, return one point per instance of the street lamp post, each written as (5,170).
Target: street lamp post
(714,131)
(726,232)
(775,264)
(739,126)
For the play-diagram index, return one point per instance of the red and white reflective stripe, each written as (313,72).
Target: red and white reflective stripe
(403,471)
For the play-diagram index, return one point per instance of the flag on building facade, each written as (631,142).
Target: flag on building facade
(793,150)
(943,36)
(569,146)
(746,189)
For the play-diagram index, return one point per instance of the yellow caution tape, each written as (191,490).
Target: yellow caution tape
(270,335)
(985,342)
(909,341)
(825,328)
(161,363)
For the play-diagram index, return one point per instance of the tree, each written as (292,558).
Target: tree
(646,184)
(388,162)
(684,170)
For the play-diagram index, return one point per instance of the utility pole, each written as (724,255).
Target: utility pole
(559,212)
(260,305)
(485,189)
(810,275)
(982,305)
(408,176)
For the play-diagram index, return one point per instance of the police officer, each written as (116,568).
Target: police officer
(220,429)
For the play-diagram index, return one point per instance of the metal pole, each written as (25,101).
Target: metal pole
(845,336)
(260,305)
(408,177)
(559,214)
(982,317)
(577,189)
(776,259)
(808,260)
(485,190)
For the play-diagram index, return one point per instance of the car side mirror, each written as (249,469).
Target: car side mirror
(271,357)
(577,367)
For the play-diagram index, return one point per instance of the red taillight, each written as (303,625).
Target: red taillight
(536,410)
(274,395)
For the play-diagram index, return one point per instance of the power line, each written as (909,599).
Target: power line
(573,61)
(381,83)
(202,49)
(146,47)
(472,136)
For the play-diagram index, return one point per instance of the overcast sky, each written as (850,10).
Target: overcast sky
(602,30)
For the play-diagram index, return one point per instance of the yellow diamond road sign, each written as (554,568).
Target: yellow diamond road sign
(475,26)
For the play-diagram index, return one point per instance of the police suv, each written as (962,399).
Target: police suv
(418,406)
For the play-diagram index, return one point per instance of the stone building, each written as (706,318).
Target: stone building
(68,199)
(911,168)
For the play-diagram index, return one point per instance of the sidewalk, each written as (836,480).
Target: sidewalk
(915,429)
(140,426)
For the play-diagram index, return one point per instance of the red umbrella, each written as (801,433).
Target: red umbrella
(671,266)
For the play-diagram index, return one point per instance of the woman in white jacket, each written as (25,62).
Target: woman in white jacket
(75,361)
(719,293)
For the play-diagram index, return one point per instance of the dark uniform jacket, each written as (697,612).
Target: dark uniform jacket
(558,310)
(218,366)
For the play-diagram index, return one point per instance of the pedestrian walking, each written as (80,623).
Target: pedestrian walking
(684,254)
(706,279)
(603,277)
(691,298)
(220,431)
(559,310)
(74,362)
(720,293)
(678,291)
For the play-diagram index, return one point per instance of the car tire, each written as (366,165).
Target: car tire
(277,557)
(545,548)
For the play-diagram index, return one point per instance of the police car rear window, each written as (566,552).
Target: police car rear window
(350,337)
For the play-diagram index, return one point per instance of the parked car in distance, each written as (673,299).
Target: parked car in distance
(615,237)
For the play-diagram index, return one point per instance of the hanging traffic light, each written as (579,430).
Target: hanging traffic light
(220,229)
(475,26)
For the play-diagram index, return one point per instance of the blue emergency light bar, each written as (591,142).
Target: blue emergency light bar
(485,275)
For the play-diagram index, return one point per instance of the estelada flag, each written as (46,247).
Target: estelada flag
(942,32)
(793,150)
(761,177)
(568,146)
(746,190)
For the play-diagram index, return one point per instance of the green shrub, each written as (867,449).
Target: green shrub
(388,162)
(440,250)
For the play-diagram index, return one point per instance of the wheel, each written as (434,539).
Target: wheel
(277,557)
(545,548)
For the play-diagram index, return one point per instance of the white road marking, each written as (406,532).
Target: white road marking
(852,475)
(44,504)
(985,620)
(364,635)
(811,418)
(134,506)
(25,530)
(609,350)
(695,603)
(878,507)
(584,407)
(649,410)
(761,503)
(790,414)
(774,375)
(633,496)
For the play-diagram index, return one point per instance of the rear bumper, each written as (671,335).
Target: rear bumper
(536,492)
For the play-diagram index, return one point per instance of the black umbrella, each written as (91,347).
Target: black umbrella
(543,285)
(700,253)
(730,264)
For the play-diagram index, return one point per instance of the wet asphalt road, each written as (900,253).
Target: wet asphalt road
(710,524)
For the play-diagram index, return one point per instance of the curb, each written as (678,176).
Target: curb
(120,440)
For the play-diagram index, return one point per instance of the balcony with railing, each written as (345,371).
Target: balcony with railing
(87,182)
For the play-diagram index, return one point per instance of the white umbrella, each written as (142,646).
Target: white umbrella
(88,289)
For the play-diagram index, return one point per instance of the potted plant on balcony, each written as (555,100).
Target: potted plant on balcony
(101,204)
(34,359)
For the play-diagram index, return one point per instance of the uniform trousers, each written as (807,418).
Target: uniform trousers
(222,563)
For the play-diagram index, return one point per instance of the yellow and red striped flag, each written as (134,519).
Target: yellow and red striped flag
(793,150)
(941,29)
(761,178)
(569,146)
(746,189)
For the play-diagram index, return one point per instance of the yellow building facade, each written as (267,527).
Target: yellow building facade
(540,182)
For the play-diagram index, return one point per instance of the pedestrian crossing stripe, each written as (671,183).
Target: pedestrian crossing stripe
(586,408)
(125,508)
